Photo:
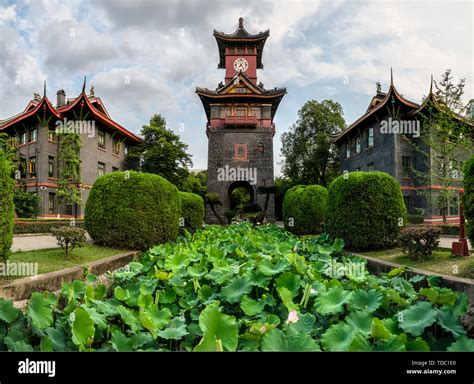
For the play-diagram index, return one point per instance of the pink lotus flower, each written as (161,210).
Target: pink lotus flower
(293,317)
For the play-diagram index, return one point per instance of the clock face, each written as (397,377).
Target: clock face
(240,64)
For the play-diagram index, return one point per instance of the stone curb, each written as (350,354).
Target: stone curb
(377,266)
(22,289)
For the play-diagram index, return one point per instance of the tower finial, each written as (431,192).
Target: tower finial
(241,22)
(84,85)
(379,87)
(391,77)
(431,84)
(44,88)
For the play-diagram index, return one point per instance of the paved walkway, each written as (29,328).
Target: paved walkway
(446,242)
(29,243)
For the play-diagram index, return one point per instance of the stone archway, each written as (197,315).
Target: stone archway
(240,184)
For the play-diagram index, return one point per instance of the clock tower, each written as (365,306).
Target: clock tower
(240,125)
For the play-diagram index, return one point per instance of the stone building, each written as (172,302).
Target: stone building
(240,125)
(105,144)
(386,137)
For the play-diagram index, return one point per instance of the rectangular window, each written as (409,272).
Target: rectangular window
(69,209)
(22,138)
(101,139)
(348,150)
(116,147)
(50,166)
(407,201)
(101,168)
(358,144)
(23,166)
(370,167)
(33,134)
(32,167)
(126,150)
(406,166)
(51,203)
(370,137)
(52,136)
(454,206)
(115,169)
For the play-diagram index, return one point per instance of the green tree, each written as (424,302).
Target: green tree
(195,183)
(68,190)
(310,155)
(7,207)
(445,142)
(162,152)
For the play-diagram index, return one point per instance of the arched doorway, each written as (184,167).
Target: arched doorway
(240,194)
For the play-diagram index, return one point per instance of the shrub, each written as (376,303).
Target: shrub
(230,215)
(7,207)
(415,219)
(27,204)
(69,237)
(304,207)
(192,210)
(43,225)
(468,197)
(419,242)
(366,210)
(132,210)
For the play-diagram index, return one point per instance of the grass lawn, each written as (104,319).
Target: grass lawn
(440,262)
(53,259)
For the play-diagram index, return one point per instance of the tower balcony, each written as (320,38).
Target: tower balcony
(240,121)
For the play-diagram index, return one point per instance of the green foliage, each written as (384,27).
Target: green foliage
(132,210)
(192,210)
(27,204)
(304,208)
(310,154)
(415,219)
(195,183)
(366,210)
(468,197)
(241,288)
(163,153)
(7,207)
(419,242)
(69,237)
(68,190)
(43,225)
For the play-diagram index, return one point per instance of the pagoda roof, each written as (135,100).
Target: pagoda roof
(226,93)
(240,36)
(381,100)
(93,103)
(31,109)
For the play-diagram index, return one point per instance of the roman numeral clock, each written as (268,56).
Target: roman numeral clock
(240,125)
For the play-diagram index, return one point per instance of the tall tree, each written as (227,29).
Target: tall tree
(310,155)
(162,152)
(69,180)
(7,207)
(445,141)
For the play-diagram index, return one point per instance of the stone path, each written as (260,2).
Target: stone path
(29,243)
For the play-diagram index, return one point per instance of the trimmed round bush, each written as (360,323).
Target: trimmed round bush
(132,210)
(468,197)
(366,210)
(7,208)
(192,210)
(304,207)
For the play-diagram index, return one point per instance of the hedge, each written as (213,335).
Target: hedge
(132,210)
(192,210)
(43,226)
(366,210)
(304,207)
(468,197)
(7,208)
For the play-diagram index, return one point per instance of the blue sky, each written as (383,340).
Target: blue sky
(145,57)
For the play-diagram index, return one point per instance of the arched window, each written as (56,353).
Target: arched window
(260,147)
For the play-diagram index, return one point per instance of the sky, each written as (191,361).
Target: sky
(147,56)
